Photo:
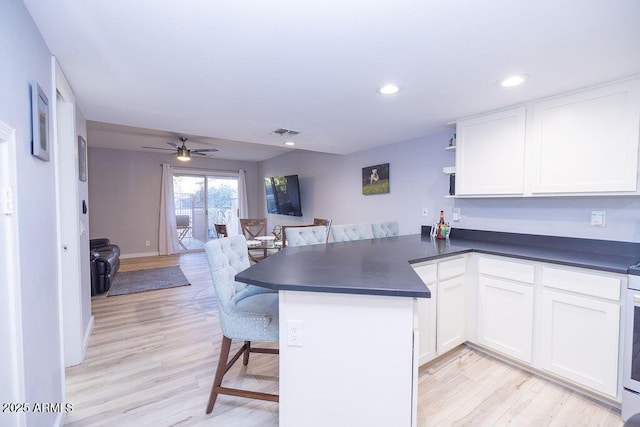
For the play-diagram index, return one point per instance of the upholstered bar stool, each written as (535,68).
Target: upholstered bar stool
(302,236)
(347,232)
(384,229)
(247,313)
(323,221)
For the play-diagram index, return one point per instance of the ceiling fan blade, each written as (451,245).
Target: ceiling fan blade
(205,150)
(158,148)
(173,144)
(195,153)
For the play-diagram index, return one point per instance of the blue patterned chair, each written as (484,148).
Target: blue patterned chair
(302,236)
(384,229)
(247,313)
(347,232)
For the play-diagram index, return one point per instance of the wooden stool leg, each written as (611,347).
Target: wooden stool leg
(245,359)
(220,371)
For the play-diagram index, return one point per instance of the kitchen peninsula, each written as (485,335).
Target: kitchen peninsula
(349,316)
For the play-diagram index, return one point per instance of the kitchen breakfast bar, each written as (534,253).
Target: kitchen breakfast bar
(348,318)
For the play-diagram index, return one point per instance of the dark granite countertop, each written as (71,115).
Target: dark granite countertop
(383,266)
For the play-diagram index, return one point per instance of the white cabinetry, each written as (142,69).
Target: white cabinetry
(427,314)
(587,142)
(583,143)
(505,307)
(580,327)
(442,318)
(490,153)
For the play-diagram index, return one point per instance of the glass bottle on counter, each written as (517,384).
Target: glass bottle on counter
(441,232)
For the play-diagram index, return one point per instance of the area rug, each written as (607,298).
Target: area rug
(131,282)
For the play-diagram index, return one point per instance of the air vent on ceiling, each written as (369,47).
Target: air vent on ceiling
(282,132)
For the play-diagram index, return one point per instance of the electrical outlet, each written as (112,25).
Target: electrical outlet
(147,243)
(598,218)
(425,212)
(455,216)
(294,333)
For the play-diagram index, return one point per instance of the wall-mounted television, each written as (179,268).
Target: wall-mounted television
(283,195)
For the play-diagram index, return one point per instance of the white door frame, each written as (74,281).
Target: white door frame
(71,227)
(12,354)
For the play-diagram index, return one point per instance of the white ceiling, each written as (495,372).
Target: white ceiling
(235,70)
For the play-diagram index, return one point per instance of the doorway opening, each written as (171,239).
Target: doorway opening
(201,201)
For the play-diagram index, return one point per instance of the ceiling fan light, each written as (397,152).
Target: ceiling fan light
(183,154)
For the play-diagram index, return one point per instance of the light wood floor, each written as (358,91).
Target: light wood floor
(152,355)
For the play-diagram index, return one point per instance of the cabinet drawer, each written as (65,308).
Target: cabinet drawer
(451,268)
(606,287)
(506,269)
(428,273)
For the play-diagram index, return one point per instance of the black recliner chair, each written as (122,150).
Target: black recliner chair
(105,261)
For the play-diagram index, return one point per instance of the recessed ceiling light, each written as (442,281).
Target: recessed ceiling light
(290,143)
(389,89)
(514,80)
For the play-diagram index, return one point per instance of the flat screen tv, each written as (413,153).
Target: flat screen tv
(283,195)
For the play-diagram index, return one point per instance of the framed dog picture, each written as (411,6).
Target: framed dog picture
(375,179)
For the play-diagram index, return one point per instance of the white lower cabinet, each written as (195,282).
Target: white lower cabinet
(505,306)
(579,337)
(560,320)
(427,314)
(505,317)
(442,318)
(451,314)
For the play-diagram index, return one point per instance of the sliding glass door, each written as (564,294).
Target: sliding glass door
(201,201)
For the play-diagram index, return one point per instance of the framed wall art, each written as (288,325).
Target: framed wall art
(375,179)
(82,159)
(40,144)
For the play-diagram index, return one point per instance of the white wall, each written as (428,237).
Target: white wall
(124,194)
(331,184)
(26,58)
(330,188)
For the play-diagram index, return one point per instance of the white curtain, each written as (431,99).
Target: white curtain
(167,236)
(243,206)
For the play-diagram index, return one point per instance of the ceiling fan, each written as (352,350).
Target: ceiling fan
(183,153)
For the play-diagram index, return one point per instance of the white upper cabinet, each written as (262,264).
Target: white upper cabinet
(490,154)
(587,142)
(583,143)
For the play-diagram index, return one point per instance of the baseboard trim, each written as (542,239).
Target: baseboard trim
(140,255)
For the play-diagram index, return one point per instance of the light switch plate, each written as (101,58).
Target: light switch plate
(425,212)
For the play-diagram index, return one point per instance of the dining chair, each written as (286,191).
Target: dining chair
(303,236)
(347,232)
(183,227)
(252,228)
(384,229)
(323,221)
(221,230)
(247,313)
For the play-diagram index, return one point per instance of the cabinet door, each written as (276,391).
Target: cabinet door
(451,314)
(490,154)
(427,314)
(587,142)
(505,317)
(427,327)
(579,340)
